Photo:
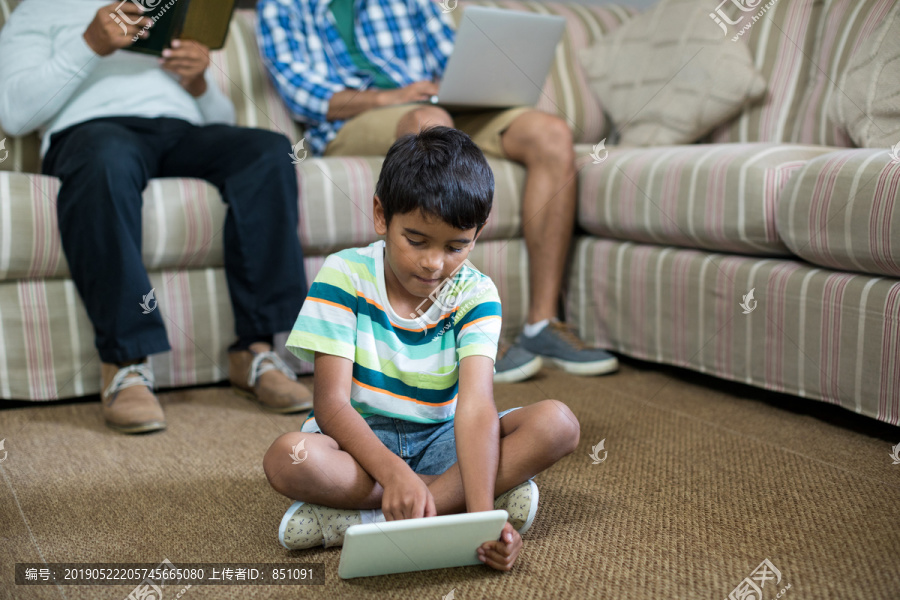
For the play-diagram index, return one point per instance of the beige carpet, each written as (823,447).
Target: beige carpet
(703,480)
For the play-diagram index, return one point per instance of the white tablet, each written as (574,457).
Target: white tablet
(418,544)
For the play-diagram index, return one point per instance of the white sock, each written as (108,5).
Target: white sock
(371,516)
(532,329)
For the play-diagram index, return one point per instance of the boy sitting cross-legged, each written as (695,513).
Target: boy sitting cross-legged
(404,334)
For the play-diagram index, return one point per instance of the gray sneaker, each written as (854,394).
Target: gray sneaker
(515,363)
(558,344)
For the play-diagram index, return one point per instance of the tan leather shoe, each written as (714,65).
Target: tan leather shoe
(260,374)
(127,401)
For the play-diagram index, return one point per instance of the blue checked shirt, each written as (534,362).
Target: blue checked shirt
(309,62)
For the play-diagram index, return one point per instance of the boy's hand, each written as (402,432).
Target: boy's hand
(501,554)
(406,496)
(188,59)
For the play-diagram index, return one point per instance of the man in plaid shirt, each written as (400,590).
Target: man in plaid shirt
(355,73)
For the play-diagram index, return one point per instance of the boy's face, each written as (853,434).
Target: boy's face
(421,250)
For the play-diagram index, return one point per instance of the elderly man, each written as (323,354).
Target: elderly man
(111,120)
(355,73)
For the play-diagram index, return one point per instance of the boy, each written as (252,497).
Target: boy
(396,330)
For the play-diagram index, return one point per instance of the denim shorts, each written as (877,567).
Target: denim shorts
(428,448)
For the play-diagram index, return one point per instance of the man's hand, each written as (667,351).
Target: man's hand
(115,26)
(501,554)
(414,92)
(188,59)
(406,496)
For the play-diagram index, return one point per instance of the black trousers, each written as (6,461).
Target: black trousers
(104,165)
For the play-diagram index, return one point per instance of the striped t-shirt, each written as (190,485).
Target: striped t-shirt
(403,367)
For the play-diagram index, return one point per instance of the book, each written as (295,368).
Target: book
(204,21)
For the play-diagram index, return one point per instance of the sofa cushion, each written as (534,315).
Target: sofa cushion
(842,210)
(183,218)
(182,226)
(336,202)
(801,47)
(669,77)
(699,196)
(565,91)
(868,106)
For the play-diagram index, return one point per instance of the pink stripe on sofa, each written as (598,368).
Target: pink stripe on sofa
(830,349)
(780,317)
(45,239)
(833,29)
(38,346)
(889,402)
(819,213)
(887,190)
(726,278)
(784,74)
(179,324)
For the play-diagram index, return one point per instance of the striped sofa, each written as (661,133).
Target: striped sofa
(777,201)
(670,238)
(46,339)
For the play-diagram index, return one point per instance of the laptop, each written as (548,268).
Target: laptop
(501,58)
(418,544)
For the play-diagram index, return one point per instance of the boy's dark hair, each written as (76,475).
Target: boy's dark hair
(440,171)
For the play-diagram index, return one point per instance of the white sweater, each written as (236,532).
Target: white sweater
(50,78)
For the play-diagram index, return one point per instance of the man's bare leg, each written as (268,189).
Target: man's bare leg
(423,117)
(543,143)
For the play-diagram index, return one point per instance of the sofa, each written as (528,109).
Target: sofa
(778,202)
(669,241)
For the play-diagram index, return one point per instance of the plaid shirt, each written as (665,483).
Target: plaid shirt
(309,62)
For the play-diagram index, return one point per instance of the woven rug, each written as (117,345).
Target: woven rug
(701,482)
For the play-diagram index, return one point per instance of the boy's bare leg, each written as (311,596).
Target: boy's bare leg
(532,439)
(327,476)
(543,143)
